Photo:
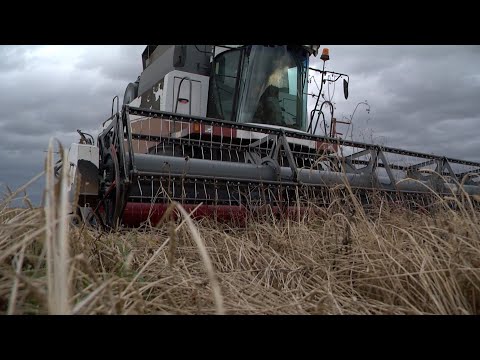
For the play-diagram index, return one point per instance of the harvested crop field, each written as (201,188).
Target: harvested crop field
(339,260)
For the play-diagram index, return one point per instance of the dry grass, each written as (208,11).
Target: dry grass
(339,261)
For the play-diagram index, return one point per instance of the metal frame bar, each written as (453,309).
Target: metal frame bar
(289,133)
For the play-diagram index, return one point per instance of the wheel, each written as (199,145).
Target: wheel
(113,202)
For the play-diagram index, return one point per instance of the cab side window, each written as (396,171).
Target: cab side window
(223,84)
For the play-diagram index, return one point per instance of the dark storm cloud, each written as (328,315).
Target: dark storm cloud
(50,92)
(17,167)
(423,98)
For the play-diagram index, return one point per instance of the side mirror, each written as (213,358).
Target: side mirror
(345,89)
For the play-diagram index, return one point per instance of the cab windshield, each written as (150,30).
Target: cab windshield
(273,87)
(260,84)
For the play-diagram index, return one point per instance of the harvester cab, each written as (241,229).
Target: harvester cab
(254,84)
(225,130)
(245,84)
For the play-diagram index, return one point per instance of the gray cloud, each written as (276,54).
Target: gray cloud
(117,67)
(50,92)
(422,98)
(12,58)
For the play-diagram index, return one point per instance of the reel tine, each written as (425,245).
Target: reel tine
(229,196)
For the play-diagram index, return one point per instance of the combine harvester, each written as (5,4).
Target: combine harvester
(227,127)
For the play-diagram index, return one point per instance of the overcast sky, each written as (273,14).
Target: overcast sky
(423,98)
